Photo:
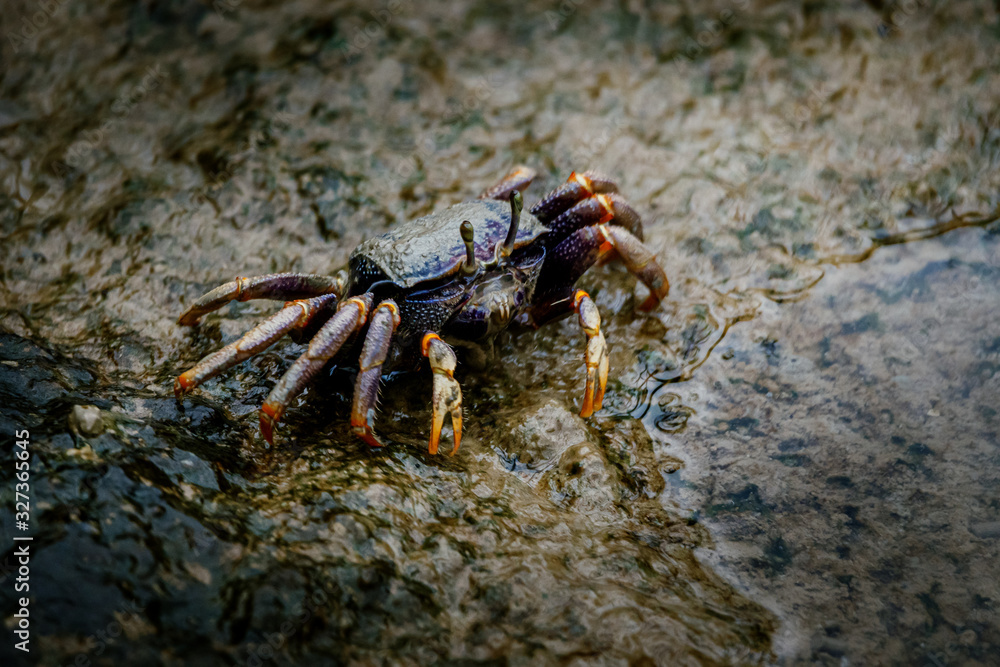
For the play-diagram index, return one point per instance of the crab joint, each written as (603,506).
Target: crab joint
(583,181)
(516,204)
(608,207)
(470,266)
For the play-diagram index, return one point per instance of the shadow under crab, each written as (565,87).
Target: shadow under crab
(421,284)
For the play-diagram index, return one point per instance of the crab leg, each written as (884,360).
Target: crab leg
(349,318)
(384,321)
(518,178)
(572,257)
(596,357)
(295,313)
(577,188)
(281,286)
(599,209)
(561,302)
(447,396)
(640,261)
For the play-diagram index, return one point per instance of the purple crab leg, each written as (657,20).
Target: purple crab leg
(280,286)
(295,313)
(348,319)
(447,394)
(597,210)
(384,321)
(572,257)
(640,261)
(518,178)
(577,188)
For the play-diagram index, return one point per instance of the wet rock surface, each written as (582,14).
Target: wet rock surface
(859,481)
(797,459)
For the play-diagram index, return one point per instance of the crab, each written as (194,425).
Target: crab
(447,279)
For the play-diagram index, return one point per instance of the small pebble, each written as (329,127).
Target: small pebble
(86,420)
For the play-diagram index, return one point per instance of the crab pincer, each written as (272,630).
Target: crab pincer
(447,394)
(596,357)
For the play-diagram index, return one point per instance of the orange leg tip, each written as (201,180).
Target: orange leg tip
(269,418)
(367,436)
(361,429)
(267,430)
(588,402)
(456,425)
(182,385)
(436,425)
(651,302)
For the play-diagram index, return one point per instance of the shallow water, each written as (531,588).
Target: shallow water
(797,460)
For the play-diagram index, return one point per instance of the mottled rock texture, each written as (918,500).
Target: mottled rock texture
(798,457)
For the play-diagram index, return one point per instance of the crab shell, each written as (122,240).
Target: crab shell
(431,248)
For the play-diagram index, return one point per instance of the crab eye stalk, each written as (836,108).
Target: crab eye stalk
(516,204)
(471,265)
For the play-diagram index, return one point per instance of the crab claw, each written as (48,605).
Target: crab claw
(597,353)
(447,396)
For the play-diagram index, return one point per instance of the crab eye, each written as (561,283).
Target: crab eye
(516,204)
(471,265)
